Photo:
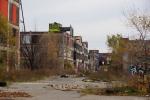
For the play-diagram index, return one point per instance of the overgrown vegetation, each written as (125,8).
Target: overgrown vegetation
(119,47)
(7,45)
(43,51)
(121,84)
(27,75)
(68,68)
(108,76)
(126,52)
(121,91)
(4,28)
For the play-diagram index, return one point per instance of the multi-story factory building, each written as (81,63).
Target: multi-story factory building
(9,9)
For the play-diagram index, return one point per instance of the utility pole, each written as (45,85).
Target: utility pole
(63,47)
(24,27)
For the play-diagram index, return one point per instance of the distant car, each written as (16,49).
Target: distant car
(64,76)
(3,84)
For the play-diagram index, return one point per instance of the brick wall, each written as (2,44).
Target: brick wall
(4,8)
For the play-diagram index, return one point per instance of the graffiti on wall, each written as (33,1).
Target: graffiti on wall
(136,69)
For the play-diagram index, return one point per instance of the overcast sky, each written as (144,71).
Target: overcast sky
(91,19)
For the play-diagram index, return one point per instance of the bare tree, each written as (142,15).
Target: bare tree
(28,51)
(142,25)
(49,50)
(42,51)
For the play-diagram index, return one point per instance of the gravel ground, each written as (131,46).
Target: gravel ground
(42,90)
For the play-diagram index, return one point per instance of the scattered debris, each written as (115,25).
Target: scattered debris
(87,80)
(67,87)
(14,94)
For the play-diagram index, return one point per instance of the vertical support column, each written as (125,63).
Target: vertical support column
(7,61)
(18,51)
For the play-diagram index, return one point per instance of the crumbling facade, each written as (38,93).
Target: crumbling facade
(94,60)
(10,10)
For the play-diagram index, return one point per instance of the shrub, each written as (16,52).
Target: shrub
(105,76)
(26,75)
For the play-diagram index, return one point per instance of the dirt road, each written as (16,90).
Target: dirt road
(42,90)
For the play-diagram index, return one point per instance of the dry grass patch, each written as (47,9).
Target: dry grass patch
(27,75)
(122,91)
